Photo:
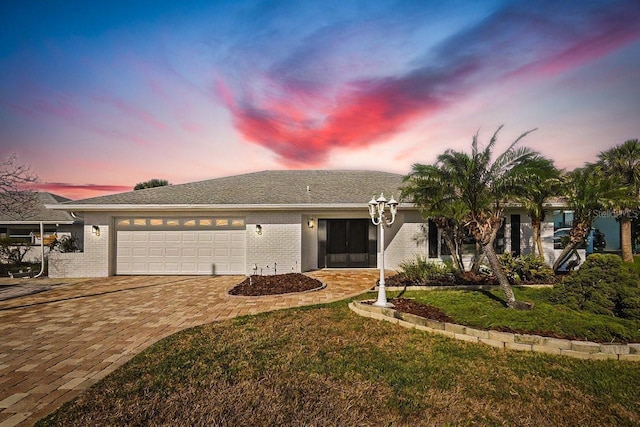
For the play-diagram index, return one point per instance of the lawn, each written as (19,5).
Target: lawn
(326,366)
(485,310)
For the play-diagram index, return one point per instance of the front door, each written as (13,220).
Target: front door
(348,243)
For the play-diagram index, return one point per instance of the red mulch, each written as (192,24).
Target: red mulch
(275,285)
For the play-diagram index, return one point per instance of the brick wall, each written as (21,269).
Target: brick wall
(278,248)
(94,261)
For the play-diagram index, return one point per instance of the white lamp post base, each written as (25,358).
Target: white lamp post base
(382,297)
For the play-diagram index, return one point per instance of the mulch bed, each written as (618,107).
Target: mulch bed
(275,285)
(410,306)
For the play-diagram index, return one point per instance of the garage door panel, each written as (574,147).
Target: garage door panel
(181,252)
(205,252)
(172,252)
(189,237)
(189,252)
(205,237)
(156,252)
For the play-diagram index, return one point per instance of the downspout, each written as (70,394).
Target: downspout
(41,250)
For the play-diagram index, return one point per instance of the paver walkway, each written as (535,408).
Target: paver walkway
(57,343)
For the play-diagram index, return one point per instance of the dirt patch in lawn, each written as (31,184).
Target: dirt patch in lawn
(276,285)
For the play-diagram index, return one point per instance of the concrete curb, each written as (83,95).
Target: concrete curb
(522,342)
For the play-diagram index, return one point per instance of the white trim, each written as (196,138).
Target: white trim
(66,222)
(225,207)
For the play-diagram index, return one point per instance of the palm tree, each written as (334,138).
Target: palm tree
(622,165)
(480,184)
(587,193)
(543,183)
(427,190)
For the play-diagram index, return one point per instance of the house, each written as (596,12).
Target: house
(56,224)
(265,222)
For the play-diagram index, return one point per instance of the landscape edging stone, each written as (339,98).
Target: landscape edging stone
(521,342)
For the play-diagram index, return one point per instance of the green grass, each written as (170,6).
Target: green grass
(326,366)
(485,309)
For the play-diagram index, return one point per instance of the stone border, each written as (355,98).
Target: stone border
(522,342)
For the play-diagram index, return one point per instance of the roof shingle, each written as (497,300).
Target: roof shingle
(273,187)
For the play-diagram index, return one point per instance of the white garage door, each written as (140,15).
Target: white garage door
(181,252)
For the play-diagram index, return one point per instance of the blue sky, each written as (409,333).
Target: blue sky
(98,97)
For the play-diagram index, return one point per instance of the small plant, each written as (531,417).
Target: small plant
(602,285)
(421,269)
(528,268)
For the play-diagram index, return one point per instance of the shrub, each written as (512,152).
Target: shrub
(528,268)
(65,244)
(602,285)
(422,269)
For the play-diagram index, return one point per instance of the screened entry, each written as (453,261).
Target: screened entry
(346,243)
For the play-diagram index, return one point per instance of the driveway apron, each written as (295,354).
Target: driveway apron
(57,343)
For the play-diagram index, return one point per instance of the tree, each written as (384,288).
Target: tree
(481,184)
(427,189)
(17,200)
(543,182)
(622,165)
(151,184)
(587,193)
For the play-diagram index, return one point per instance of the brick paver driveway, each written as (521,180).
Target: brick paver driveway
(57,343)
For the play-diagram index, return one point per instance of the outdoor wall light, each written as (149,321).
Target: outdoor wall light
(259,229)
(95,230)
(311,223)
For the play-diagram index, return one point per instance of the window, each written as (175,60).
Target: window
(187,223)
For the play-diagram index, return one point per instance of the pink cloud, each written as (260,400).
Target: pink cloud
(79,191)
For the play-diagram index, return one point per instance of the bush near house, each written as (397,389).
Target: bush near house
(527,269)
(602,285)
(421,270)
(519,270)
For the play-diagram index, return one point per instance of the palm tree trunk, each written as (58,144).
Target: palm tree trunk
(537,239)
(577,236)
(536,233)
(494,262)
(625,238)
(455,256)
(478,256)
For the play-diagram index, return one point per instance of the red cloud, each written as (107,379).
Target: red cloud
(303,120)
(362,116)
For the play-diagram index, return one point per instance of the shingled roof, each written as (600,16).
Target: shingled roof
(40,213)
(281,187)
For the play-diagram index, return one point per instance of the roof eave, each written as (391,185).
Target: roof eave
(209,207)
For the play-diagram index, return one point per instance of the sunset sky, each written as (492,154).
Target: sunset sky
(97,98)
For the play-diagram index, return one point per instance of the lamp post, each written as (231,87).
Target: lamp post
(378,217)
